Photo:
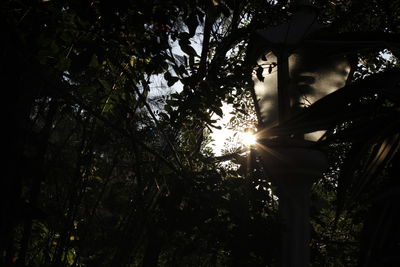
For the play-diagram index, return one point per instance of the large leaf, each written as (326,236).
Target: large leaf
(342,105)
(364,162)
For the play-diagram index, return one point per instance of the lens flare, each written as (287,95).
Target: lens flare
(248,139)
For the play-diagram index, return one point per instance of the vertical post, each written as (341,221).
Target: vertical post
(294,203)
(294,172)
(295,168)
(293,191)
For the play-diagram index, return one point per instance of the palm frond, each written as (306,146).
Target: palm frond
(343,105)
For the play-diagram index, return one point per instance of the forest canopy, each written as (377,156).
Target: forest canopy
(110,110)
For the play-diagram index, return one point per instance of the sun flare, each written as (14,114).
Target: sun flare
(248,139)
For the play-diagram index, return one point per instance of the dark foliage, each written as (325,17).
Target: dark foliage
(104,169)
